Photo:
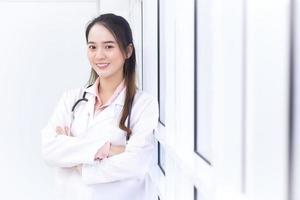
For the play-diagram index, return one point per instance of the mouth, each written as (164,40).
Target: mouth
(102,65)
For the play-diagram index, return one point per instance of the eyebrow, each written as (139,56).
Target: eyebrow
(105,42)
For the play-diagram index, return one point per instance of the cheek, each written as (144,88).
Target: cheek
(90,56)
(119,58)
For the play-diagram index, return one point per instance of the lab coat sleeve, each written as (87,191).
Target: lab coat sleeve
(138,156)
(62,150)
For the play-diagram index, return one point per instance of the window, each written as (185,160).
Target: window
(197,194)
(202,77)
(161,158)
(161,69)
(161,87)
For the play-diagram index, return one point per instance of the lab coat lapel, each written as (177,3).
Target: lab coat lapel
(112,111)
(90,107)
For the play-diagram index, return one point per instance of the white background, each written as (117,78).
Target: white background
(43,53)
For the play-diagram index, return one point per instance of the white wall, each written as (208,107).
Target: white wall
(42,54)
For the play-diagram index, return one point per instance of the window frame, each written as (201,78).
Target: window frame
(196,85)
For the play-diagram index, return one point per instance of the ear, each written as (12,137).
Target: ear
(129,50)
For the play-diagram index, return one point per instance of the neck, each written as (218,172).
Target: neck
(108,86)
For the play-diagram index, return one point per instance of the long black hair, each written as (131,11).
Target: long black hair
(121,30)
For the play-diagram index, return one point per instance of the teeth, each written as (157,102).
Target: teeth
(101,65)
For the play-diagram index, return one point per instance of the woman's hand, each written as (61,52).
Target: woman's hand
(66,131)
(103,152)
(63,130)
(78,168)
(116,149)
(108,150)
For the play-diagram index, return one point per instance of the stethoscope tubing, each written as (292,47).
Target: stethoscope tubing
(86,100)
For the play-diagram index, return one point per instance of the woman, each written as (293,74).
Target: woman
(100,138)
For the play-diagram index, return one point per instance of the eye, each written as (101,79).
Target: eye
(109,46)
(92,47)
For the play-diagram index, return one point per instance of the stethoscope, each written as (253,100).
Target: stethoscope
(84,99)
(78,101)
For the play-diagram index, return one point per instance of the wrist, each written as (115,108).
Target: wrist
(107,148)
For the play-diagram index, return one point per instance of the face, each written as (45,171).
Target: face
(104,53)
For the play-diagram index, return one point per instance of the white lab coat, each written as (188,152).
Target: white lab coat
(121,177)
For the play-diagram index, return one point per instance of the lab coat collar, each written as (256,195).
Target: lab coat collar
(118,101)
(121,98)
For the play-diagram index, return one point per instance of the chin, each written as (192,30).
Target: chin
(104,74)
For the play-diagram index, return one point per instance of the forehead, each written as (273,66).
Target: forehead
(99,34)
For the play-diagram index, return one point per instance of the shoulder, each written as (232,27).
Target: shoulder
(144,97)
(144,101)
(72,94)
(145,109)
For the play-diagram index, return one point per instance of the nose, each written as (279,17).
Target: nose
(100,54)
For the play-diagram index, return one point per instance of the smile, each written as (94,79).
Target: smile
(102,65)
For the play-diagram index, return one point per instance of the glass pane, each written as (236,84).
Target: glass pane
(161,158)
(198,195)
(161,66)
(162,96)
(195,193)
(295,137)
(203,85)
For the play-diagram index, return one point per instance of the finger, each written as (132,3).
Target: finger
(101,156)
(67,130)
(59,130)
